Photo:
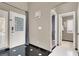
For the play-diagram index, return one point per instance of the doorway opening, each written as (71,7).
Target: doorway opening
(53,18)
(53,30)
(67,30)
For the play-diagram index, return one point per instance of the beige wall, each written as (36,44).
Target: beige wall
(40,38)
(43,37)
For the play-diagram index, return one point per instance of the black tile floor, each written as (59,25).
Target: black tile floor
(25,51)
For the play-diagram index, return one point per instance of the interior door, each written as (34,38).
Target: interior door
(3,29)
(17,29)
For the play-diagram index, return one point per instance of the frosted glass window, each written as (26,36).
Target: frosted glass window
(19,24)
(69,26)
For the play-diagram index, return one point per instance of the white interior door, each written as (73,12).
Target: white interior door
(17,29)
(3,29)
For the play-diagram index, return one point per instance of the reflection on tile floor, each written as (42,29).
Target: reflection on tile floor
(25,51)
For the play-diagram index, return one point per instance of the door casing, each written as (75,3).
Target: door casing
(74,25)
(53,12)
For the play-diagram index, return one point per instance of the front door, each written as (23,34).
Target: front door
(17,29)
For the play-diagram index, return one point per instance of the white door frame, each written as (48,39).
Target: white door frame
(60,26)
(53,12)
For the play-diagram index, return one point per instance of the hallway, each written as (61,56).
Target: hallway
(35,28)
(65,49)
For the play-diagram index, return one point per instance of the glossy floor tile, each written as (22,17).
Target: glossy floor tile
(66,49)
(25,51)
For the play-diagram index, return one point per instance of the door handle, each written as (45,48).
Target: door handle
(12,29)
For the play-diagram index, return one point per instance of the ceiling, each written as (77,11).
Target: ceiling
(25,5)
